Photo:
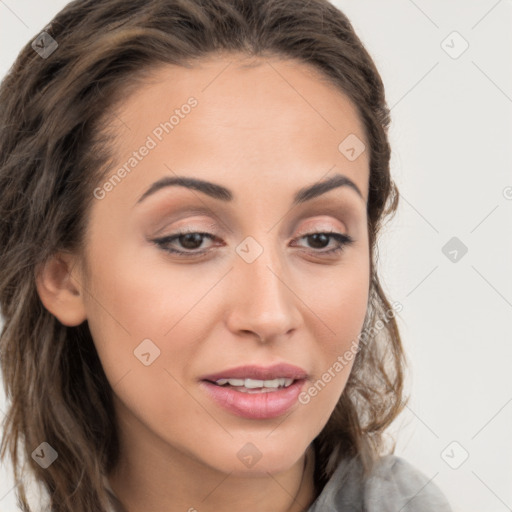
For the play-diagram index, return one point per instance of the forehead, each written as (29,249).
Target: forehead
(278,119)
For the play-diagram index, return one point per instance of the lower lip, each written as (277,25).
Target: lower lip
(256,406)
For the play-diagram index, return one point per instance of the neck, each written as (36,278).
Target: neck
(140,486)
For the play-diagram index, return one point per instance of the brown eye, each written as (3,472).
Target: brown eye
(190,241)
(320,240)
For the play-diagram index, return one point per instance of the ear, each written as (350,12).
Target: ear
(60,289)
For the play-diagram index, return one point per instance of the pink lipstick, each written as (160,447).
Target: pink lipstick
(256,392)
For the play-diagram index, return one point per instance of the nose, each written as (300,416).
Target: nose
(262,300)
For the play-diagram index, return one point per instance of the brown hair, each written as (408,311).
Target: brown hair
(54,149)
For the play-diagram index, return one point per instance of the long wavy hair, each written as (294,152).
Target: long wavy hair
(55,149)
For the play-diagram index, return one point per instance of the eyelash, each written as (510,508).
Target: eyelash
(343,240)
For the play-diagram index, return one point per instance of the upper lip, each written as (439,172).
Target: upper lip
(275,371)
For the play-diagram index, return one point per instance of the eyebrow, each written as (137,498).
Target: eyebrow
(224,194)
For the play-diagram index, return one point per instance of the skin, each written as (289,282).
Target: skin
(264,129)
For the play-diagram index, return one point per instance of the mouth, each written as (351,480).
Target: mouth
(255,385)
(256,392)
(259,374)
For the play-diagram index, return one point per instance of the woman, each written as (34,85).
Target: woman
(192,192)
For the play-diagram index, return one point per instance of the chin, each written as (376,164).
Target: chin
(256,456)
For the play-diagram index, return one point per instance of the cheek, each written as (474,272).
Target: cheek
(345,304)
(133,299)
(135,288)
(338,308)
(338,298)
(139,318)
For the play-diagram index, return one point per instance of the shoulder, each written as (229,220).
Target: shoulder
(393,485)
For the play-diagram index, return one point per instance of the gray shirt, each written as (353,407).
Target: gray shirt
(393,486)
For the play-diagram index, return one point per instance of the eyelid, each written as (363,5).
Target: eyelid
(213,229)
(346,214)
(318,227)
(315,218)
(188,226)
(321,224)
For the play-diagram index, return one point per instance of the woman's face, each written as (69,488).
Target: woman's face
(167,324)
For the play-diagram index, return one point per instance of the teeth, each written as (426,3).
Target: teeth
(254,384)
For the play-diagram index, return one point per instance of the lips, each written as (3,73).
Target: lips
(267,391)
(277,371)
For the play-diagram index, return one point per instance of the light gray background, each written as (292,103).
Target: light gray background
(452,160)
